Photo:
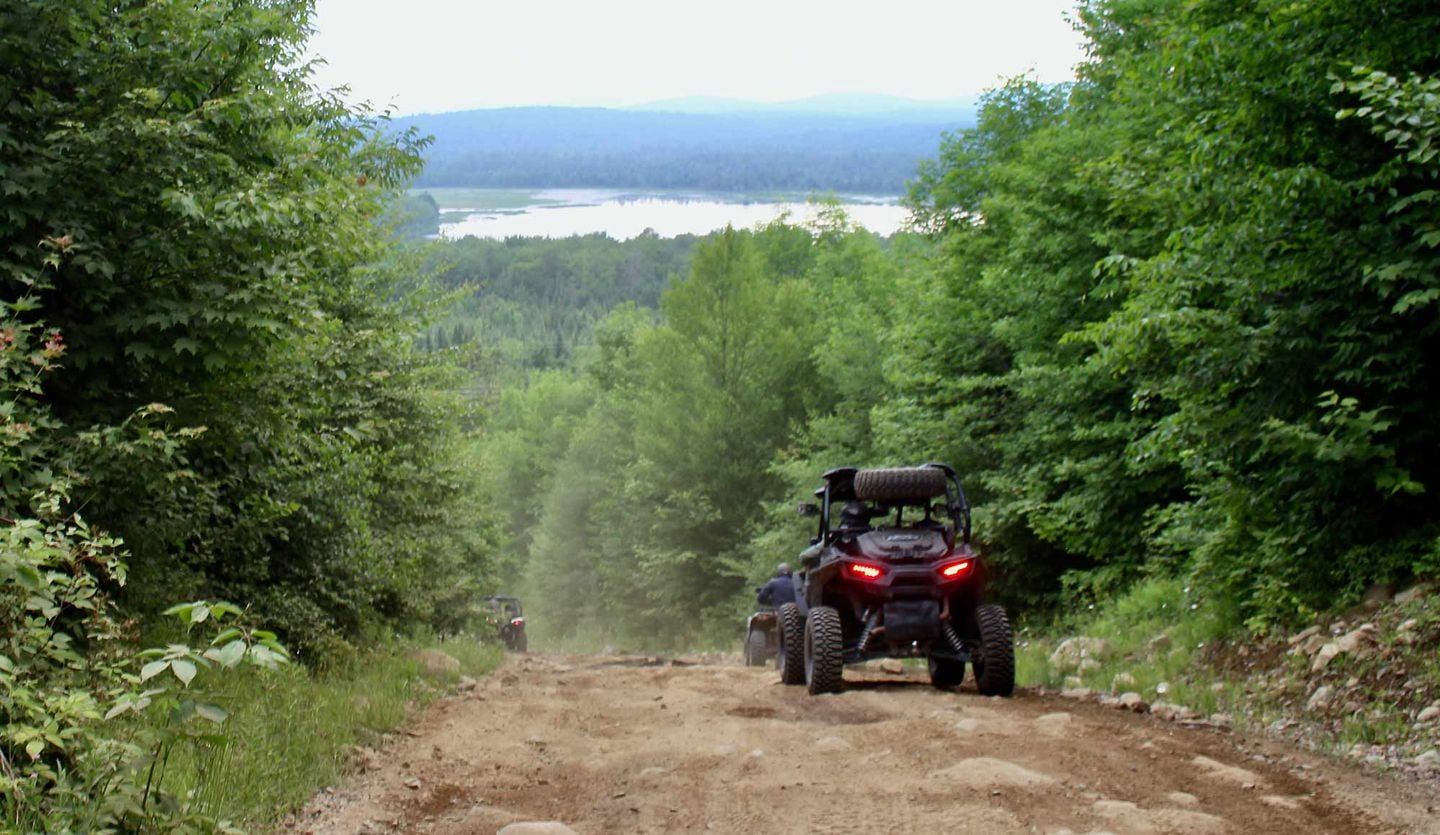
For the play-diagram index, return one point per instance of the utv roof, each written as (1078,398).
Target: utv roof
(841,482)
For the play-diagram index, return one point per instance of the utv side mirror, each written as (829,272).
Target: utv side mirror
(808,509)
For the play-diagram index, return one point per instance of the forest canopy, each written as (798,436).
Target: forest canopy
(227,379)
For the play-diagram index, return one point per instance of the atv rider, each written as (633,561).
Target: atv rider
(780,590)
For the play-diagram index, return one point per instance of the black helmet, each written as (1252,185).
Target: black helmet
(855,515)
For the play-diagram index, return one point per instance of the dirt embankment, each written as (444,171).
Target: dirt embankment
(624,744)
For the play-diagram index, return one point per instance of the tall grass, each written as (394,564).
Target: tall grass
(1152,633)
(290,730)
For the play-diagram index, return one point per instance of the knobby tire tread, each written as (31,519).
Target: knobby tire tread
(899,484)
(791,659)
(826,662)
(995,676)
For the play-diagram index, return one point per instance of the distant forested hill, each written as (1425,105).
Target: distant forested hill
(771,149)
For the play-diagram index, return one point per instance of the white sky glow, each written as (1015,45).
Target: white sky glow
(442,55)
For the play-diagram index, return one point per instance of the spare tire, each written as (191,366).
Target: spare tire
(899,484)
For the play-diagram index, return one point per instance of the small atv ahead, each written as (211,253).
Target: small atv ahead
(508,618)
(762,637)
(907,586)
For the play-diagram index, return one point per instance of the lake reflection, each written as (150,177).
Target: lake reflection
(623,217)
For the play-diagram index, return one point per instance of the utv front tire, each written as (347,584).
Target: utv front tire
(946,672)
(755,648)
(791,659)
(994,663)
(824,656)
(899,484)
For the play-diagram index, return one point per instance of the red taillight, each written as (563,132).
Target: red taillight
(517,621)
(865,571)
(955,569)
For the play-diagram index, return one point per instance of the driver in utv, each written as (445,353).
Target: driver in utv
(780,590)
(855,517)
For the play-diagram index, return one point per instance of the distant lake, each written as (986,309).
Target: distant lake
(560,213)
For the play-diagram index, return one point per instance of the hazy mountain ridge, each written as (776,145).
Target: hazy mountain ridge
(780,146)
(860,105)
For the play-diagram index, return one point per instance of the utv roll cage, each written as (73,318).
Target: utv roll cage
(840,487)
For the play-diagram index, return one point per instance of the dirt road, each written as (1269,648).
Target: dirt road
(625,744)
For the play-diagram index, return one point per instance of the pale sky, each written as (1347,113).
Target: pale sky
(440,55)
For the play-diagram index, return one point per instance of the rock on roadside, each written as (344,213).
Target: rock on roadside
(1133,701)
(1320,699)
(437,664)
(1171,712)
(1414,593)
(1074,653)
(1357,643)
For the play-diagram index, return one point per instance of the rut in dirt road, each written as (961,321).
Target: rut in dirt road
(633,744)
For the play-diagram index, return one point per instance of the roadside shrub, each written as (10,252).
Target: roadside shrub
(85,736)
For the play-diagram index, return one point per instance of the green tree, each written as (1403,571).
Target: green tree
(988,374)
(1284,328)
(653,490)
(199,225)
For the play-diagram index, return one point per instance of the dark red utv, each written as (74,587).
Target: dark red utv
(891,574)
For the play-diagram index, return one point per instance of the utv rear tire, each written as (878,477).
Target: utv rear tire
(824,655)
(946,672)
(994,663)
(755,648)
(899,484)
(791,659)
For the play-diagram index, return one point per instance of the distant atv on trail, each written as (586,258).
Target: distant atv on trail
(762,637)
(907,586)
(507,617)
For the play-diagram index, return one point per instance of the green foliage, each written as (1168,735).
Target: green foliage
(990,380)
(1155,631)
(1186,313)
(58,664)
(1290,384)
(630,488)
(292,731)
(414,216)
(535,302)
(213,726)
(207,343)
(73,759)
(191,224)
